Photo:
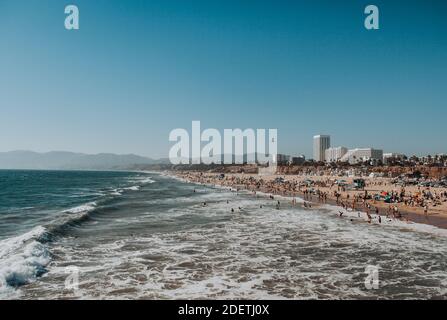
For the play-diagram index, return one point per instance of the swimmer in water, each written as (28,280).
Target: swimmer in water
(232,210)
(341,213)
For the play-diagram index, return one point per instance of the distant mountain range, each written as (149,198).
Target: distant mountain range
(62,160)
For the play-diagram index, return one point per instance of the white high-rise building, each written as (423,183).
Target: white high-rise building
(321,143)
(357,155)
(335,154)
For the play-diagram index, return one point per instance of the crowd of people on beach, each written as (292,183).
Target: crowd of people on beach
(377,199)
(329,191)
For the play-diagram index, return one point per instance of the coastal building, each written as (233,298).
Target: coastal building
(335,154)
(387,157)
(297,160)
(359,155)
(438,159)
(282,159)
(321,143)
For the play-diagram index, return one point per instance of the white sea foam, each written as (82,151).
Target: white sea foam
(22,259)
(147,180)
(258,252)
(133,188)
(117,192)
(82,208)
(142,180)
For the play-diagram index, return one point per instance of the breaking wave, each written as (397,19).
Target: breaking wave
(22,259)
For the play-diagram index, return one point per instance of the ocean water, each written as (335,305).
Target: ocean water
(130,235)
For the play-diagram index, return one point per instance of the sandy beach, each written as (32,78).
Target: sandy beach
(414,203)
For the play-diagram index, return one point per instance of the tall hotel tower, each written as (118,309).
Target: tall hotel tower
(321,143)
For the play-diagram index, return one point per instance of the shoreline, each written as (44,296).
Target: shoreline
(406,215)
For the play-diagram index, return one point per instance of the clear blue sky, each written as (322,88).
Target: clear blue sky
(138,69)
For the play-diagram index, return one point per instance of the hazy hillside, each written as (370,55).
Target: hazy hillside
(70,160)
